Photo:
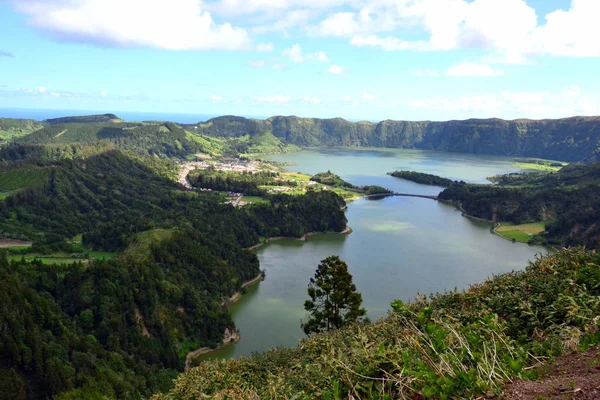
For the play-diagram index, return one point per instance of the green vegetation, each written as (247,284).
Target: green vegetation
(539,165)
(422,178)
(568,202)
(12,180)
(334,301)
(571,139)
(11,129)
(523,233)
(86,119)
(454,345)
(86,322)
(331,179)
(254,199)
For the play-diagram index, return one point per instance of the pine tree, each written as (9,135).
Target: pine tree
(334,301)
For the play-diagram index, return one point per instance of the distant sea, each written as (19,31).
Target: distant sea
(41,114)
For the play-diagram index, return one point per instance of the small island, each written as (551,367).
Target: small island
(422,178)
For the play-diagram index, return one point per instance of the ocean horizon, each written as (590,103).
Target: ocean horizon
(130,116)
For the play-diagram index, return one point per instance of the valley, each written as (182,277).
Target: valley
(153,238)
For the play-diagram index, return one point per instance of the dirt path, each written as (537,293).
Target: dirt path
(6,243)
(573,376)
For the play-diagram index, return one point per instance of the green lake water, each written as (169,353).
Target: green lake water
(399,247)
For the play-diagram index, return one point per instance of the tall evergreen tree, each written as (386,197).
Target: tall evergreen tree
(334,301)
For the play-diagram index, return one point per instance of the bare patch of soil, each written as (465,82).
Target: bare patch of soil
(573,376)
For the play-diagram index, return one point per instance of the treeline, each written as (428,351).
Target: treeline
(570,139)
(241,182)
(331,179)
(422,178)
(569,200)
(121,328)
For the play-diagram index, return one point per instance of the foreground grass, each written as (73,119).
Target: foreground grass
(451,346)
(521,233)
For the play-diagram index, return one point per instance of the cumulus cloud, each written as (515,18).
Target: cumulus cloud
(508,104)
(337,70)
(6,54)
(256,64)
(280,99)
(296,54)
(509,29)
(42,89)
(265,47)
(312,100)
(368,96)
(103,93)
(469,69)
(280,67)
(216,99)
(164,24)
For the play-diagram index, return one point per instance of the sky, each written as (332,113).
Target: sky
(356,59)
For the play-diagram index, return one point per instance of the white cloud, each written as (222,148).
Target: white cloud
(265,47)
(337,70)
(216,99)
(295,54)
(312,100)
(388,43)
(103,93)
(257,64)
(55,94)
(165,24)
(510,30)
(280,99)
(42,89)
(473,70)
(506,104)
(280,67)
(368,96)
(347,99)
(426,73)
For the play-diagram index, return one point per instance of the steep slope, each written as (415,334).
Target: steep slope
(458,345)
(569,139)
(11,129)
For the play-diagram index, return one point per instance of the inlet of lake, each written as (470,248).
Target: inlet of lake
(399,247)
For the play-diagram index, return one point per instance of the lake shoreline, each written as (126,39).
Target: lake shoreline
(230,337)
(347,230)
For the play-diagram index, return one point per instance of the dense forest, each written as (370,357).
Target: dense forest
(422,178)
(246,183)
(569,200)
(570,139)
(121,328)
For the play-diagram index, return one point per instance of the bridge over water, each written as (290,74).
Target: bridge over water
(423,196)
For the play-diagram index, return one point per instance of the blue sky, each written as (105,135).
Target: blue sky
(358,59)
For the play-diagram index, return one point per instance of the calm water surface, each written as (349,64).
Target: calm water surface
(399,246)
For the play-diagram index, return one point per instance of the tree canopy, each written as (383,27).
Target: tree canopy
(334,301)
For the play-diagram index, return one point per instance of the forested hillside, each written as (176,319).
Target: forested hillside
(569,139)
(11,129)
(568,200)
(122,328)
(457,345)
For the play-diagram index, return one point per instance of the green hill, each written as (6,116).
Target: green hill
(456,345)
(568,201)
(84,119)
(569,139)
(11,129)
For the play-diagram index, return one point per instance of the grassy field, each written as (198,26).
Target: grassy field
(141,244)
(63,258)
(254,199)
(541,165)
(521,233)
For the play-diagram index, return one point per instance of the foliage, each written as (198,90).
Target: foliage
(456,345)
(571,139)
(331,179)
(228,181)
(334,301)
(422,178)
(11,129)
(568,200)
(86,119)
(121,327)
